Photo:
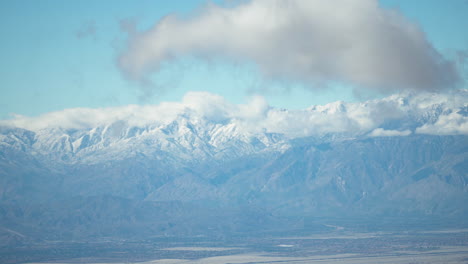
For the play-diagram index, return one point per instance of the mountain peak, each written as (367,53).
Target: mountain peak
(206,126)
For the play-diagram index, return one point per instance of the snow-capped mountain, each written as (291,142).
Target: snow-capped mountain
(181,139)
(190,168)
(204,126)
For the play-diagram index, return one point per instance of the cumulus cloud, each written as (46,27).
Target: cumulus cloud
(86,118)
(380,132)
(311,41)
(451,124)
(211,106)
(396,115)
(194,105)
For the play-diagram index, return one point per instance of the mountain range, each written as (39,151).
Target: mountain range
(208,167)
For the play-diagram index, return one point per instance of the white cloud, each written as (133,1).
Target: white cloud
(311,41)
(397,115)
(85,118)
(451,124)
(379,132)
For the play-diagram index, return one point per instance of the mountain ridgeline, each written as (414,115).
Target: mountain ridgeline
(197,178)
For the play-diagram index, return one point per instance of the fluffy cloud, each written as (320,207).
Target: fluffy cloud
(86,118)
(195,105)
(397,115)
(311,41)
(379,132)
(451,124)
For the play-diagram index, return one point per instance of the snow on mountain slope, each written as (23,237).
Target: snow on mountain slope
(205,126)
(180,138)
(88,170)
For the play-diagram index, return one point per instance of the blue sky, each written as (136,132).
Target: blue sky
(62,54)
